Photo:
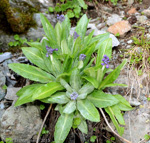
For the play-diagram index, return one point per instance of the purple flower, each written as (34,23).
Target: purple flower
(74,95)
(60,18)
(82,57)
(75,35)
(105,61)
(50,51)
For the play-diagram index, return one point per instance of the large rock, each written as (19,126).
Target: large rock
(137,123)
(20,123)
(2,83)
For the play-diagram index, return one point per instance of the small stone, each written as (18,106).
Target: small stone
(121,27)
(141,19)
(132,11)
(113,19)
(134,102)
(11,93)
(5,56)
(130,41)
(130,2)
(101,25)
(146,12)
(128,47)
(2,106)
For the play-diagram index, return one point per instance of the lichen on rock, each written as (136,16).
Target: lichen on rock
(18,19)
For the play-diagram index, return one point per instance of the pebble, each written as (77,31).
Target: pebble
(5,56)
(130,41)
(134,102)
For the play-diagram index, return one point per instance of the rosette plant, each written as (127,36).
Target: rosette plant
(66,74)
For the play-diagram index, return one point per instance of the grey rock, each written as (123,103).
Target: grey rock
(128,47)
(137,123)
(5,56)
(113,19)
(2,83)
(107,9)
(2,106)
(146,12)
(100,25)
(11,93)
(20,123)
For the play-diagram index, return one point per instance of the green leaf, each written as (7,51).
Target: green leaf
(124,107)
(70,14)
(34,55)
(63,127)
(48,28)
(42,107)
(93,138)
(86,88)
(31,72)
(59,98)
(117,114)
(146,137)
(76,122)
(88,38)
(114,84)
(66,25)
(58,31)
(111,114)
(92,80)
(83,127)
(101,99)
(113,75)
(16,37)
(82,3)
(104,49)
(67,64)
(69,107)
(75,80)
(65,85)
(90,72)
(82,26)
(64,47)
(51,9)
(37,45)
(47,90)
(25,94)
(88,110)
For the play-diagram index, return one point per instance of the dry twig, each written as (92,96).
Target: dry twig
(111,127)
(48,111)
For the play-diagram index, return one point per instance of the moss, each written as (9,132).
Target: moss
(18,20)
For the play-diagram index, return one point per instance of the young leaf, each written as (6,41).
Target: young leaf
(113,75)
(124,107)
(31,72)
(63,127)
(69,107)
(75,80)
(48,28)
(59,98)
(83,126)
(37,45)
(111,114)
(58,31)
(82,26)
(47,90)
(92,80)
(64,48)
(34,55)
(25,94)
(66,85)
(88,110)
(114,84)
(87,88)
(104,49)
(117,114)
(101,99)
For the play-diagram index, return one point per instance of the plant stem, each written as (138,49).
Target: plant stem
(48,111)
(111,127)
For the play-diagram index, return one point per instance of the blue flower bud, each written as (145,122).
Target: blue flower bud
(74,96)
(82,57)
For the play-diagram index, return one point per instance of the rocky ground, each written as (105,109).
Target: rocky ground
(124,21)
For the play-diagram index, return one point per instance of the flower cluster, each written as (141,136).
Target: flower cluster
(82,57)
(105,61)
(74,96)
(75,35)
(61,18)
(50,51)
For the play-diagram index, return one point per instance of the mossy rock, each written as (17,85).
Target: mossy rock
(17,19)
